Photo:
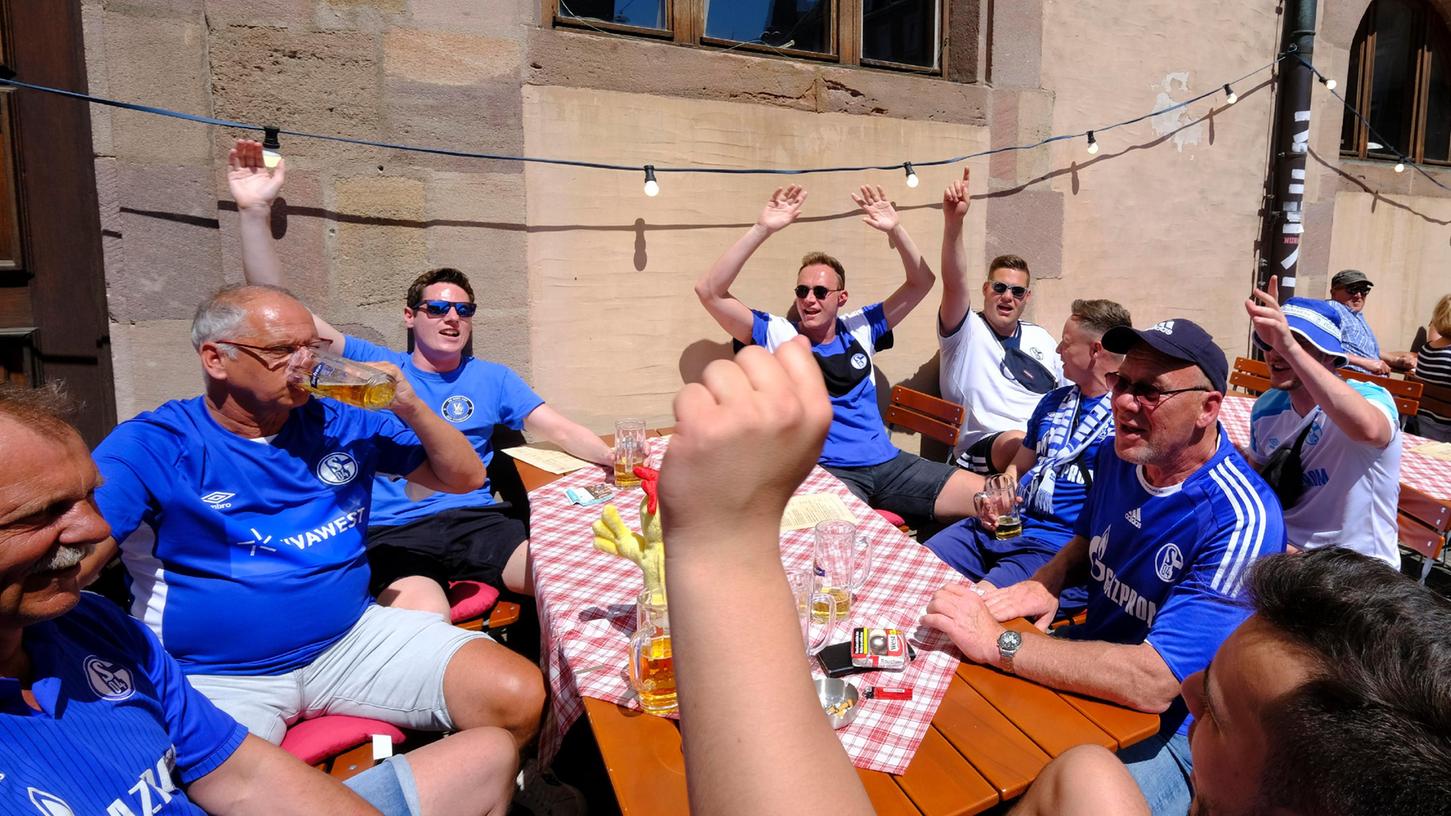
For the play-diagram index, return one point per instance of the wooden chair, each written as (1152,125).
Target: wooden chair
(933,417)
(1406,393)
(1422,524)
(1434,398)
(1250,376)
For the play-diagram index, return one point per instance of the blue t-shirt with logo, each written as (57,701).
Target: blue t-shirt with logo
(1067,430)
(1167,564)
(474,397)
(252,559)
(857,437)
(120,730)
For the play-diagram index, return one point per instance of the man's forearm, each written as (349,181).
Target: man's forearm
(454,462)
(577,440)
(1350,412)
(260,264)
(1134,676)
(718,279)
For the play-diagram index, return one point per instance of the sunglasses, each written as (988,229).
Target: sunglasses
(1019,292)
(1358,290)
(439,308)
(820,291)
(1146,394)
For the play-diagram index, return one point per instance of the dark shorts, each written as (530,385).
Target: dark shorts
(979,555)
(465,544)
(905,484)
(978,457)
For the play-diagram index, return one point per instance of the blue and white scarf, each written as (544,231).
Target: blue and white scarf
(1065,441)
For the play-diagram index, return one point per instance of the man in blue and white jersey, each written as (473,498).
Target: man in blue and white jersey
(1345,434)
(1056,457)
(251,567)
(858,450)
(95,717)
(1174,519)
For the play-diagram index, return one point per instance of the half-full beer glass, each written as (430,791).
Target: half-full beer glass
(329,375)
(630,450)
(843,561)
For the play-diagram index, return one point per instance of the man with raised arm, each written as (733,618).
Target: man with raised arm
(858,450)
(418,543)
(993,363)
(1174,520)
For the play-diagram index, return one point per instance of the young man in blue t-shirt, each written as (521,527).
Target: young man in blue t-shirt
(419,540)
(1173,521)
(95,717)
(1055,456)
(858,450)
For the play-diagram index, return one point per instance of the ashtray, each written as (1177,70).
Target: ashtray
(839,700)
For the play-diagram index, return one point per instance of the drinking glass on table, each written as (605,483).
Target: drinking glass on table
(651,613)
(652,671)
(803,590)
(843,561)
(630,450)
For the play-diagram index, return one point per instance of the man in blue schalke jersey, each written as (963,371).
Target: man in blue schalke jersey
(249,505)
(1056,457)
(858,450)
(1173,521)
(418,539)
(95,717)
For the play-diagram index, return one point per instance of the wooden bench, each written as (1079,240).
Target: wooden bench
(1422,522)
(1250,376)
(1406,393)
(1434,398)
(933,417)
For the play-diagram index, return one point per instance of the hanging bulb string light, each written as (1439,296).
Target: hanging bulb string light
(650,171)
(1230,97)
(912,180)
(1401,161)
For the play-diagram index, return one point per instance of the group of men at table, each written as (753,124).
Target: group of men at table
(288,556)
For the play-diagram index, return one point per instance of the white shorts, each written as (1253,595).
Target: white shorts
(388,667)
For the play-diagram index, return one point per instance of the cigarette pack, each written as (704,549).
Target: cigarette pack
(878,649)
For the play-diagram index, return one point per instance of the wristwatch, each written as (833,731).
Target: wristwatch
(1009,643)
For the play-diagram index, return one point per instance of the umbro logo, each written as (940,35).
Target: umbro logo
(1133,518)
(218,499)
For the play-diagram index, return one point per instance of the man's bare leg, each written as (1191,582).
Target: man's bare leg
(519,571)
(416,592)
(487,685)
(1083,781)
(466,774)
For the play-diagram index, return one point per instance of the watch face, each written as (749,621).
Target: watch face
(1010,641)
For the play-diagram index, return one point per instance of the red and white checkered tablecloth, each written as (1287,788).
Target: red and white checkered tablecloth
(586,601)
(1428,475)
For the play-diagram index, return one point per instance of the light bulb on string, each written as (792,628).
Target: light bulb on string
(271,148)
(1092,144)
(1326,81)
(652,187)
(1230,97)
(1401,166)
(912,180)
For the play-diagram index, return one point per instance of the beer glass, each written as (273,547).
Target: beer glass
(999,500)
(651,613)
(843,561)
(330,375)
(630,450)
(803,590)
(652,671)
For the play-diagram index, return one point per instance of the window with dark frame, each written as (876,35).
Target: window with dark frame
(1400,79)
(902,35)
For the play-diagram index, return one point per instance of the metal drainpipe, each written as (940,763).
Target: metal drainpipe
(1284,228)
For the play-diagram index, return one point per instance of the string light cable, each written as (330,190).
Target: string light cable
(649,172)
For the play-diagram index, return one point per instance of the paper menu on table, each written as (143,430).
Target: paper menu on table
(805,512)
(1435,450)
(547,458)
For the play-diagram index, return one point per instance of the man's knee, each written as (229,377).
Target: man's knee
(486,684)
(416,592)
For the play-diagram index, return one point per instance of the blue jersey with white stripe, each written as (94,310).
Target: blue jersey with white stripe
(254,561)
(119,729)
(1167,565)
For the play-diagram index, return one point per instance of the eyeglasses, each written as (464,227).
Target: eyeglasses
(1019,292)
(439,308)
(1146,394)
(820,291)
(1360,289)
(273,356)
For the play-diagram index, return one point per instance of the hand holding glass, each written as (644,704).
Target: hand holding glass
(997,507)
(329,375)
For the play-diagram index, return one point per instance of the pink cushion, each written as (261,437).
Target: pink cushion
(315,740)
(891,518)
(470,599)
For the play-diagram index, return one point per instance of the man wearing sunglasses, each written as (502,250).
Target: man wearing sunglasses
(994,364)
(858,450)
(1172,523)
(1349,290)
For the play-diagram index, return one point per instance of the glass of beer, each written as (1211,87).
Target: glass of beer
(329,375)
(630,450)
(651,613)
(998,502)
(803,590)
(843,561)
(652,671)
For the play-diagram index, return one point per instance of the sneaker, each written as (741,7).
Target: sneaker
(541,794)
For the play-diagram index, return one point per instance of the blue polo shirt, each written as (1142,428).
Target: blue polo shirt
(254,561)
(119,730)
(1167,564)
(474,397)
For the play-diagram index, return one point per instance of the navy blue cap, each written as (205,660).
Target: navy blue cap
(1178,338)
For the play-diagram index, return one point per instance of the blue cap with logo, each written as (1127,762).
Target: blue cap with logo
(1317,322)
(1179,338)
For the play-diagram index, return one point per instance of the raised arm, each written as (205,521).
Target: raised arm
(574,438)
(714,287)
(754,736)
(255,188)
(452,466)
(1352,413)
(956,296)
(879,214)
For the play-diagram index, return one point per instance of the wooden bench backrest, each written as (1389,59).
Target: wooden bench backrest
(1406,393)
(1422,522)
(1250,376)
(1435,398)
(925,414)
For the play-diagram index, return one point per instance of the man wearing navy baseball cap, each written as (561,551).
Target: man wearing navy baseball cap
(1172,522)
(1330,448)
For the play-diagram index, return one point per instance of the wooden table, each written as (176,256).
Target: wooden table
(991,737)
